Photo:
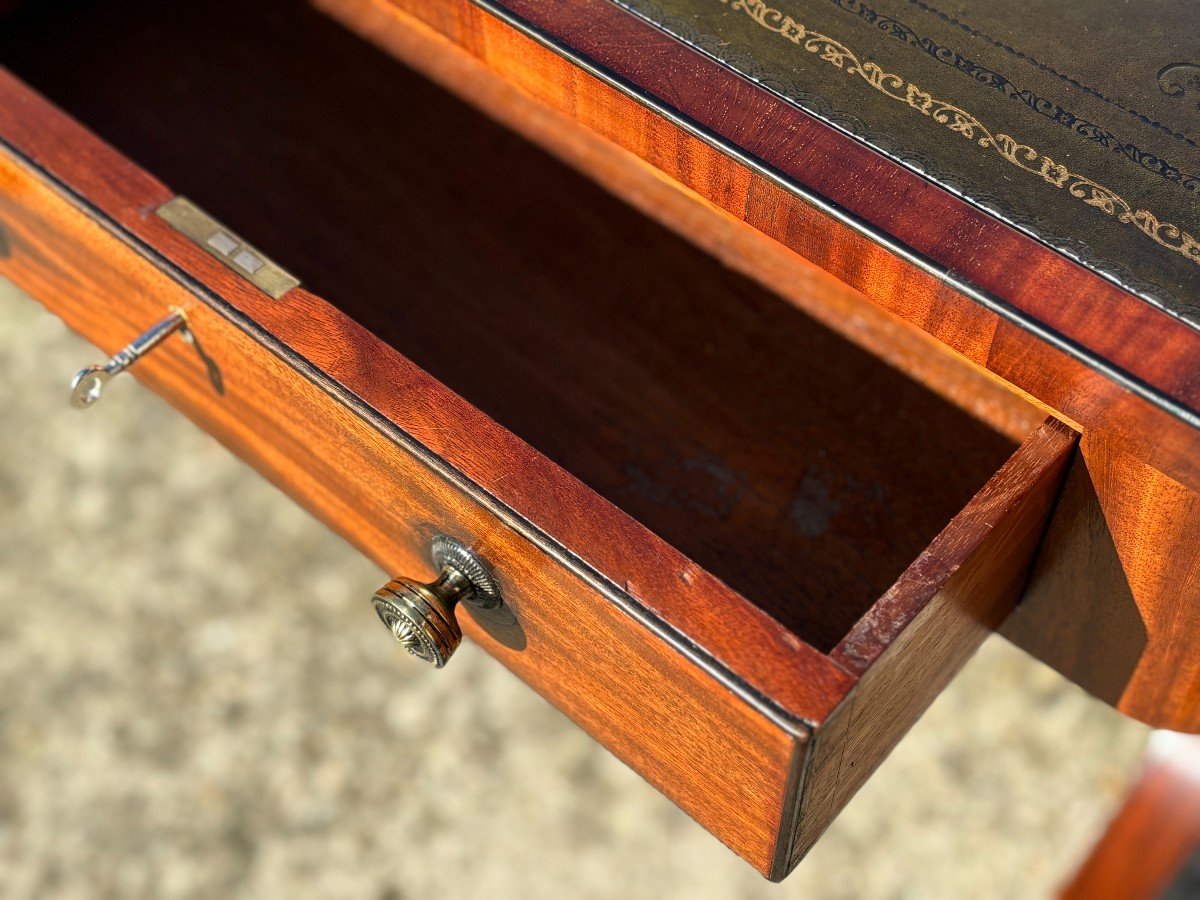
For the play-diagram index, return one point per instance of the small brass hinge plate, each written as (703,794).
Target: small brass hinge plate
(214,238)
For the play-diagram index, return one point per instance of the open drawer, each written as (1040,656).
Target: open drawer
(740,551)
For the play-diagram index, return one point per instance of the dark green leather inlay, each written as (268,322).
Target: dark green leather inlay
(1075,120)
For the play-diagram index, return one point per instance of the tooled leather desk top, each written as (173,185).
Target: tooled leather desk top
(1077,121)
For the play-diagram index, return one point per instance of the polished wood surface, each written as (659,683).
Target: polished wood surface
(334,460)
(717,186)
(715,754)
(725,237)
(1114,589)
(1149,840)
(916,638)
(689,681)
(588,529)
(801,471)
(1070,301)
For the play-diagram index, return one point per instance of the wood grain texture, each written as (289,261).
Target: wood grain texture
(720,234)
(1153,834)
(653,575)
(1116,584)
(715,755)
(921,633)
(716,185)
(386,455)
(799,470)
(1070,301)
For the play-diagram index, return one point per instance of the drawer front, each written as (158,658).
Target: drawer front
(672,717)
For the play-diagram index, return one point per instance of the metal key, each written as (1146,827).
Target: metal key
(88,384)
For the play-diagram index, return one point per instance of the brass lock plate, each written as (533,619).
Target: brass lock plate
(215,239)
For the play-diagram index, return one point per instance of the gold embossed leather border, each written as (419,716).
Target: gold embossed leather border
(1099,173)
(961,122)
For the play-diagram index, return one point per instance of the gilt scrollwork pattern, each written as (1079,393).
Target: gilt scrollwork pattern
(969,127)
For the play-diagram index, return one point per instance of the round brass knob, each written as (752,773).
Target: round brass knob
(421,616)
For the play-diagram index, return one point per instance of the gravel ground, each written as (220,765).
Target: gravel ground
(196,701)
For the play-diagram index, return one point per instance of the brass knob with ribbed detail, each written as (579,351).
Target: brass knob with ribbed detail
(421,616)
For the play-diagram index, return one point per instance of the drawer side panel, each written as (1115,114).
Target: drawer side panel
(979,567)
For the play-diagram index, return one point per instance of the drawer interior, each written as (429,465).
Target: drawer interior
(796,467)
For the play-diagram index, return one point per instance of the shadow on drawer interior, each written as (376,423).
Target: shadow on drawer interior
(797,468)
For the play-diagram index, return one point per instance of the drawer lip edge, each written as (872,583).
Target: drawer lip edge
(873,635)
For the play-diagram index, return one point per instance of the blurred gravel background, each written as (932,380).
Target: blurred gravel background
(197,701)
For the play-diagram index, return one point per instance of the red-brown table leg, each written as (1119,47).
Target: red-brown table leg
(1154,834)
